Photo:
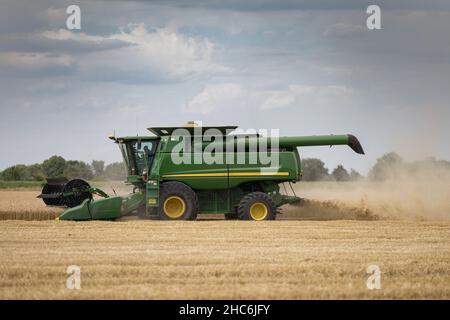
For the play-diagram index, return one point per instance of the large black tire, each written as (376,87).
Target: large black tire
(257,206)
(177,201)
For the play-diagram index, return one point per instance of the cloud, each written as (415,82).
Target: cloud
(285,5)
(295,60)
(278,99)
(136,109)
(35,64)
(60,41)
(162,54)
(79,41)
(304,95)
(132,55)
(214,97)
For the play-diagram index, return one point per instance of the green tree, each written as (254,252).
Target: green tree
(54,167)
(355,175)
(115,171)
(99,167)
(35,172)
(16,173)
(389,166)
(340,173)
(314,170)
(78,169)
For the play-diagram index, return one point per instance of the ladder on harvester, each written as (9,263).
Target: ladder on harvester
(152,188)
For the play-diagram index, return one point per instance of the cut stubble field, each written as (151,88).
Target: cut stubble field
(224,259)
(320,249)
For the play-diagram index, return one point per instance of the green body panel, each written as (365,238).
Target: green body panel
(104,209)
(133,202)
(214,201)
(287,169)
(308,141)
(153,182)
(230,168)
(238,141)
(80,212)
(197,176)
(219,186)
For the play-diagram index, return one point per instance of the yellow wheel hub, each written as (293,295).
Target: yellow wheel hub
(174,207)
(258,211)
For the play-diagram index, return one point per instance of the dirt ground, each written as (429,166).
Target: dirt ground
(213,259)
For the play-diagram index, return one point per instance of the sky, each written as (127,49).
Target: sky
(304,67)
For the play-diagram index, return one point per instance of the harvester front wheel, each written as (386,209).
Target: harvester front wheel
(177,202)
(257,206)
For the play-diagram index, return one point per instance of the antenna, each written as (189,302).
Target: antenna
(137,134)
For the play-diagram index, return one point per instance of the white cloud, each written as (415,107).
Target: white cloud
(134,54)
(64,34)
(304,95)
(215,96)
(59,41)
(158,55)
(34,61)
(135,109)
(277,99)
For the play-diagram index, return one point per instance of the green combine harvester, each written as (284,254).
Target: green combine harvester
(234,184)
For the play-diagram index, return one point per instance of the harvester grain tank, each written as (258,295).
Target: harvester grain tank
(165,188)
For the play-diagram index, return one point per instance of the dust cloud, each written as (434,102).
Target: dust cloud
(422,194)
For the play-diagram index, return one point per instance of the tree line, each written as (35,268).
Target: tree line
(389,166)
(314,170)
(57,166)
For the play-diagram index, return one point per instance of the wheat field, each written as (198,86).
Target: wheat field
(144,259)
(23,204)
(320,249)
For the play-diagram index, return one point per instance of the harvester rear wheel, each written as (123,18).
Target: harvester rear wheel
(177,202)
(257,206)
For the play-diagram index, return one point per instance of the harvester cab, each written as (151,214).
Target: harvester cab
(180,172)
(138,154)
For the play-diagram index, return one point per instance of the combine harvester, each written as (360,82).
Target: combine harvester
(169,190)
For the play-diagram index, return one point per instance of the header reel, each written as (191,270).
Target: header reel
(61,192)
